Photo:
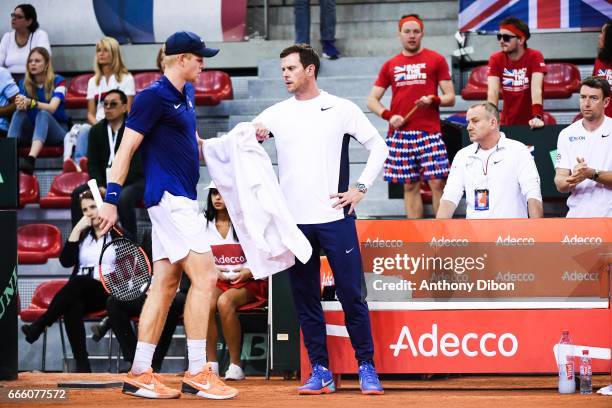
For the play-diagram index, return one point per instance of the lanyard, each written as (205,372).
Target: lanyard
(112,139)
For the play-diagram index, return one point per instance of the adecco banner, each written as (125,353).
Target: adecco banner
(469,341)
(446,259)
(133,21)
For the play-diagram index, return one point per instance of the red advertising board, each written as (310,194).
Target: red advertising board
(479,339)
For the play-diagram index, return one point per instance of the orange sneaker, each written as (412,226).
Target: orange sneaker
(148,385)
(207,384)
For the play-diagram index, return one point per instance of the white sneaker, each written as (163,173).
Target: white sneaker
(234,372)
(215,367)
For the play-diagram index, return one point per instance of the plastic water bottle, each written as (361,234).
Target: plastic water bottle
(565,363)
(586,387)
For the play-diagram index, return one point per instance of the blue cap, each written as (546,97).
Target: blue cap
(187,42)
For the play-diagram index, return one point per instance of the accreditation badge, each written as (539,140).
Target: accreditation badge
(481,199)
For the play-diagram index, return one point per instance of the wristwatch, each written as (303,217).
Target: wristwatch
(361,188)
(595,175)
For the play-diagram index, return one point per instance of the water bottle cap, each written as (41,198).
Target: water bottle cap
(565,332)
(585,352)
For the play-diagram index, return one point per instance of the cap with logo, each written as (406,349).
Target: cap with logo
(183,42)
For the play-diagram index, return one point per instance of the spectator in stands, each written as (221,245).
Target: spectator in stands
(120,314)
(40,116)
(8,92)
(16,45)
(603,62)
(235,284)
(301,9)
(520,71)
(110,73)
(416,149)
(497,174)
(584,154)
(83,293)
(104,141)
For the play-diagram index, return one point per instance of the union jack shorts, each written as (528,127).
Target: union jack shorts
(415,155)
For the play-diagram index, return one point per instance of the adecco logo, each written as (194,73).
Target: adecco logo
(576,240)
(450,345)
(448,242)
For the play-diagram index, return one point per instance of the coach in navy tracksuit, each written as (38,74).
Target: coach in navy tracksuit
(312,131)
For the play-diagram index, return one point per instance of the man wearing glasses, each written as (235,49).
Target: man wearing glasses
(104,140)
(520,70)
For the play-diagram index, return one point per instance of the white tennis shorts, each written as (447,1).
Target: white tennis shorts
(178,227)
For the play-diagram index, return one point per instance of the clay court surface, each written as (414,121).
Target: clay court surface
(469,391)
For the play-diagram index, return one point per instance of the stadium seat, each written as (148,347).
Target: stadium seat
(212,87)
(36,243)
(47,151)
(577,117)
(29,192)
(76,95)
(561,80)
(476,88)
(61,189)
(144,79)
(549,119)
(43,294)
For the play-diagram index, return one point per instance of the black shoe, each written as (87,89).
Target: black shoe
(27,165)
(100,329)
(32,331)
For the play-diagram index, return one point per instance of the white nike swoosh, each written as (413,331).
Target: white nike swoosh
(147,386)
(205,387)
(348,251)
(326,383)
(177,106)
(112,193)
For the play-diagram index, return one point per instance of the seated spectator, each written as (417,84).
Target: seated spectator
(603,62)
(40,116)
(16,45)
(120,314)
(104,141)
(497,174)
(110,73)
(84,293)
(520,73)
(8,91)
(584,154)
(235,284)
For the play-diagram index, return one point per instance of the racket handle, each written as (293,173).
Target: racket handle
(95,191)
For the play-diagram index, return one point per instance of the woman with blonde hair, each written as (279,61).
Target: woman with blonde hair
(109,73)
(40,116)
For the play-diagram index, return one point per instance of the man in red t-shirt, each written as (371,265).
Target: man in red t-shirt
(603,63)
(520,70)
(416,149)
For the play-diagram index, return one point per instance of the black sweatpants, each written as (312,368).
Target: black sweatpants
(80,296)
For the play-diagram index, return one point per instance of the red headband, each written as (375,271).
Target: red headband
(411,18)
(513,30)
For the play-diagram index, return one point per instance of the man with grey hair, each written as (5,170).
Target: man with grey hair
(497,174)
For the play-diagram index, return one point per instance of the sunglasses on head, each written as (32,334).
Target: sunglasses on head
(17,16)
(506,37)
(112,104)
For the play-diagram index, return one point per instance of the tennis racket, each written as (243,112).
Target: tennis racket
(124,268)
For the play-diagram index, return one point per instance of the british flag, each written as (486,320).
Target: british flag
(541,15)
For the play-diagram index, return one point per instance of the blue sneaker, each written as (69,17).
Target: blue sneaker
(368,380)
(321,381)
(329,50)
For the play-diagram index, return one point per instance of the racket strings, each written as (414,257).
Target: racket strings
(126,270)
